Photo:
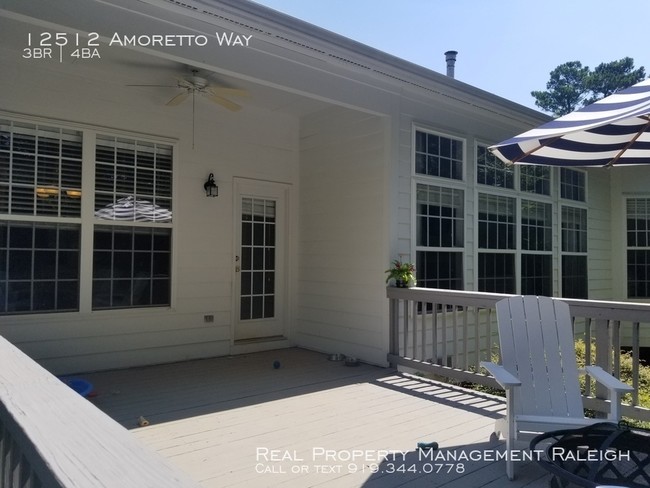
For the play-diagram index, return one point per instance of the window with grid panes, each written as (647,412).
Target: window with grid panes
(131,267)
(437,155)
(574,252)
(40,178)
(536,246)
(40,170)
(572,184)
(497,228)
(39,267)
(492,171)
(133,180)
(132,254)
(440,224)
(638,247)
(535,179)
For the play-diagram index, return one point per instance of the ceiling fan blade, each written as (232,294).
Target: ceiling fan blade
(158,86)
(178,99)
(225,103)
(222,91)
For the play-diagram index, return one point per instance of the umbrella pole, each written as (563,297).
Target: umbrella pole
(627,146)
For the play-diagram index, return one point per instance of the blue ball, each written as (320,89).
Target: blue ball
(276,364)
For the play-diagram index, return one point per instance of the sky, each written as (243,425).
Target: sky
(506,47)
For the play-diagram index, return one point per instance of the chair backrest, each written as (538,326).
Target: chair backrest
(537,346)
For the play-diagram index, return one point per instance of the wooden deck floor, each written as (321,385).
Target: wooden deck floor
(238,422)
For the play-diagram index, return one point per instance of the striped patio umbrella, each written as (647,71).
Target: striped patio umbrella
(614,130)
(133,210)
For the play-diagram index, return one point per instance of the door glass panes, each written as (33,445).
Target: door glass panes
(258,247)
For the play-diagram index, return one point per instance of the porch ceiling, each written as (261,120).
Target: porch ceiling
(120,66)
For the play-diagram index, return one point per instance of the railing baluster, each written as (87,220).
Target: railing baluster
(488,336)
(414,334)
(454,338)
(423,337)
(472,340)
(636,339)
(616,346)
(405,331)
(434,341)
(477,339)
(443,337)
(393,325)
(588,356)
(465,349)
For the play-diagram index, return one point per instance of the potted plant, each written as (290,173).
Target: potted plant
(402,273)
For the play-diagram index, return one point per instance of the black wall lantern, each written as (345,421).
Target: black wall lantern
(210,187)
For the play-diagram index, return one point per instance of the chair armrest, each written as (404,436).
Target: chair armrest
(607,380)
(501,375)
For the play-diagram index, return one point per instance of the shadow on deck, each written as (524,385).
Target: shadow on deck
(238,421)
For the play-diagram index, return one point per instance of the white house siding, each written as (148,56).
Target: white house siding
(341,304)
(255,143)
(599,244)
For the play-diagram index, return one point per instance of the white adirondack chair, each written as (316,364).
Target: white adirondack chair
(539,371)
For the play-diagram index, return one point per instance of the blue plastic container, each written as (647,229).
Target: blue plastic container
(83,387)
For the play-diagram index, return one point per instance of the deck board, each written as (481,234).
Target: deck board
(210,417)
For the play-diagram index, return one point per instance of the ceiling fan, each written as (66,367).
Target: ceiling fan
(194,84)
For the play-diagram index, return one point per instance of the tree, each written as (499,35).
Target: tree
(608,78)
(565,90)
(572,86)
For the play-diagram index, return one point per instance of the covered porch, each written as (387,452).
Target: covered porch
(292,417)
(238,421)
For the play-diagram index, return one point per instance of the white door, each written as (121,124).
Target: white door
(260,259)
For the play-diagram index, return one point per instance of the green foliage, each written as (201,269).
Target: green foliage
(626,361)
(608,78)
(401,271)
(572,86)
(626,376)
(565,90)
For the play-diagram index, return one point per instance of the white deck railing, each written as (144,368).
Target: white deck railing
(52,437)
(448,333)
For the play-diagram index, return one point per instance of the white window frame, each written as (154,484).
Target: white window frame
(463,141)
(515,253)
(88,220)
(440,181)
(628,248)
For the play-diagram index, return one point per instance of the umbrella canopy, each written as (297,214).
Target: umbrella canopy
(133,210)
(614,130)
